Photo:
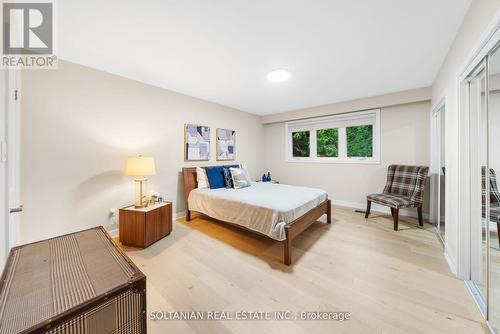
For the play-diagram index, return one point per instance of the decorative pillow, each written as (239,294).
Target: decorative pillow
(228,179)
(232,166)
(240,179)
(201,177)
(215,177)
(245,170)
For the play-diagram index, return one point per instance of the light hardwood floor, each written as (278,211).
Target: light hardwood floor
(390,282)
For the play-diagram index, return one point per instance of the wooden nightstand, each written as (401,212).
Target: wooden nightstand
(143,227)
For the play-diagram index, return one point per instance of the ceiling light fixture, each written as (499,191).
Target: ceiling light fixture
(278,75)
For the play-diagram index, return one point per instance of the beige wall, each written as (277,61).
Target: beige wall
(78,127)
(475,22)
(404,140)
(379,101)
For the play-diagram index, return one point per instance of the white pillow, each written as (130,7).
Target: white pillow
(239,177)
(201,177)
(245,170)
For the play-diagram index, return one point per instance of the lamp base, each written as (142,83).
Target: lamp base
(140,193)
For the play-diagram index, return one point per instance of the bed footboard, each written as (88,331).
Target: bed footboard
(300,224)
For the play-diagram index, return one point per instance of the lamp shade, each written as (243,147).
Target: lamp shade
(140,166)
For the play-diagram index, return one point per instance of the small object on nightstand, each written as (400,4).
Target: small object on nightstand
(141,227)
(268,178)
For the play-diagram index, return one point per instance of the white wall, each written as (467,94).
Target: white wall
(78,127)
(475,22)
(404,140)
(3,171)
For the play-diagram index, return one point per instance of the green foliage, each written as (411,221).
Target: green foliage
(327,143)
(300,143)
(360,141)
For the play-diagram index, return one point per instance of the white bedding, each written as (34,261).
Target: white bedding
(263,207)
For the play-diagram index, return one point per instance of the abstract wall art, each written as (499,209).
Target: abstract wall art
(226,144)
(196,142)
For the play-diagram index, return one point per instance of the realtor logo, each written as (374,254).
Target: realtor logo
(28,34)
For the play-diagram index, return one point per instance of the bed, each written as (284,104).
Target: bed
(280,212)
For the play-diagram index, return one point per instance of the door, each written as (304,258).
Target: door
(478,186)
(438,170)
(494,196)
(13,154)
(442,174)
(480,99)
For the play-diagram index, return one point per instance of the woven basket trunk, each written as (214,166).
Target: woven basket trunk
(76,283)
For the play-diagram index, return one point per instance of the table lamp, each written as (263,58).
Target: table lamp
(140,167)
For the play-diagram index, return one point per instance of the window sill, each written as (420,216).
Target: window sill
(330,161)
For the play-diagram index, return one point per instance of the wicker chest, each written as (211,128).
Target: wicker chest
(76,283)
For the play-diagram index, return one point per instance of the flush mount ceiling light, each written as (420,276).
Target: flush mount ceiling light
(278,75)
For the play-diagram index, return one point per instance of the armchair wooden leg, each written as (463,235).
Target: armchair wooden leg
(396,218)
(188,215)
(392,212)
(420,219)
(368,208)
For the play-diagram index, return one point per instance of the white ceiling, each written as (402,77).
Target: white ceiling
(221,50)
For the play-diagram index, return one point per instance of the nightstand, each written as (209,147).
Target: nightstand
(144,226)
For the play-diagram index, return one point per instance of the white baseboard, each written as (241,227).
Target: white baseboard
(178,215)
(378,208)
(450,261)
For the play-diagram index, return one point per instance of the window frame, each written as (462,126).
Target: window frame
(343,120)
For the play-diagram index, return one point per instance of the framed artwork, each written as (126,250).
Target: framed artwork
(196,142)
(226,144)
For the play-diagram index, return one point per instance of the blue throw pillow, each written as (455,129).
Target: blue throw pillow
(215,177)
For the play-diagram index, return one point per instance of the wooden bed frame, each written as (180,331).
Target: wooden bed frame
(292,229)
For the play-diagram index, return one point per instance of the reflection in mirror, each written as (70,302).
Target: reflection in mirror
(494,197)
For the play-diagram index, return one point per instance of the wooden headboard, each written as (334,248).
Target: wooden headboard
(190,183)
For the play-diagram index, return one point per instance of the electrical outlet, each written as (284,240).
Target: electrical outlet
(113,212)
(113,216)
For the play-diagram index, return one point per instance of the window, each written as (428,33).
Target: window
(359,141)
(327,143)
(300,142)
(345,138)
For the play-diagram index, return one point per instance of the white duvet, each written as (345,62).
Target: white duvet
(263,207)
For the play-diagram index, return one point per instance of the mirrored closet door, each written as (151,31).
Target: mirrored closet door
(493,151)
(478,162)
(483,92)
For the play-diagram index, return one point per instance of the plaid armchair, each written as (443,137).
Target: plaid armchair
(404,189)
